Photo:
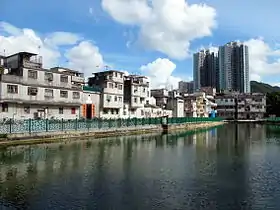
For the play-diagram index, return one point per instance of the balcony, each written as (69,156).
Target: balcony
(76,79)
(35,62)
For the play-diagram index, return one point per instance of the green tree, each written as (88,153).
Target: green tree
(273,103)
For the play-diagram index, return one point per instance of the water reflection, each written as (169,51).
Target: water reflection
(229,167)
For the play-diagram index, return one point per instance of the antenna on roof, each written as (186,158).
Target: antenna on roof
(106,67)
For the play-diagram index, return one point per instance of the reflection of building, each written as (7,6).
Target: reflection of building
(30,91)
(249,106)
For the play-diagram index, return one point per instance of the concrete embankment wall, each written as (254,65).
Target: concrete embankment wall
(50,137)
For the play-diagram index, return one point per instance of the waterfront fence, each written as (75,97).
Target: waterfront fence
(11,126)
(273,119)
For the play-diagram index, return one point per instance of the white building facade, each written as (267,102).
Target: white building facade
(29,91)
(111,84)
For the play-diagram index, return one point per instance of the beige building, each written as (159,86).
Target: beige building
(30,91)
(199,104)
(111,84)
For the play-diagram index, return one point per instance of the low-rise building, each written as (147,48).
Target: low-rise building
(244,105)
(175,103)
(30,91)
(90,102)
(111,84)
(199,104)
(161,96)
(136,92)
(169,100)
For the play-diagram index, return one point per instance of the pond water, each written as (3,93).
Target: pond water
(228,167)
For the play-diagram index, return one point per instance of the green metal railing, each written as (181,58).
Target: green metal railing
(46,125)
(273,119)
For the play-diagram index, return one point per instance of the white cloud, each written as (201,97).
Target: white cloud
(85,57)
(62,38)
(25,40)
(263,60)
(82,55)
(166,26)
(90,10)
(160,73)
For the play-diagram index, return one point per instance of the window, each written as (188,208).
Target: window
(116,85)
(76,95)
(27,109)
(63,94)
(120,87)
(105,111)
(32,91)
(48,76)
(5,107)
(144,89)
(12,89)
(73,110)
(120,99)
(116,74)
(135,100)
(32,74)
(49,93)
(116,98)
(135,89)
(108,98)
(64,78)
(60,110)
(117,111)
(111,85)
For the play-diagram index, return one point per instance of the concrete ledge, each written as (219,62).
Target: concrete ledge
(51,137)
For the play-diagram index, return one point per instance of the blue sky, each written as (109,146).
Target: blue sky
(123,34)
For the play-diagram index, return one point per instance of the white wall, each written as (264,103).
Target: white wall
(18,111)
(89,97)
(40,97)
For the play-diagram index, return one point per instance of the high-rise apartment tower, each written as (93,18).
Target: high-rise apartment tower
(234,67)
(205,69)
